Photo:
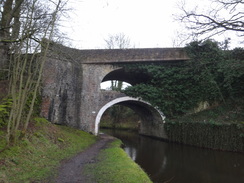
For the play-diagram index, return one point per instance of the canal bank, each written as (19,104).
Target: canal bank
(219,127)
(218,136)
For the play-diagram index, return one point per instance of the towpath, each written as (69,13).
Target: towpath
(72,170)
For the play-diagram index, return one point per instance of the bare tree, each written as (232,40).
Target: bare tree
(9,27)
(119,40)
(36,25)
(221,16)
(9,22)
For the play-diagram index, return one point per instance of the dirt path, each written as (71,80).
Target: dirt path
(71,171)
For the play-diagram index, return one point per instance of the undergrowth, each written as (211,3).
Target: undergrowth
(230,112)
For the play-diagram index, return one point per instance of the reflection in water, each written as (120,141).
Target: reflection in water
(181,164)
(131,152)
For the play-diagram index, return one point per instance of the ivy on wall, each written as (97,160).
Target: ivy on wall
(212,75)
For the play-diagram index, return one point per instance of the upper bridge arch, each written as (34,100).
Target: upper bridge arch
(121,75)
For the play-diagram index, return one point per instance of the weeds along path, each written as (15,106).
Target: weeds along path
(71,171)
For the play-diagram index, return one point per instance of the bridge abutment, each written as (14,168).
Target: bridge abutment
(71,93)
(61,86)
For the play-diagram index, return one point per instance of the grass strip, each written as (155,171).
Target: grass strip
(38,156)
(114,166)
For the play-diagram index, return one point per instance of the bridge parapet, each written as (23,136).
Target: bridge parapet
(132,55)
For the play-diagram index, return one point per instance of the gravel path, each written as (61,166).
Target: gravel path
(71,171)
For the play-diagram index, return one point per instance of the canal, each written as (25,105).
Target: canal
(175,163)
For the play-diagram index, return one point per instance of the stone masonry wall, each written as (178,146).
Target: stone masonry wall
(71,92)
(61,92)
(100,56)
(91,96)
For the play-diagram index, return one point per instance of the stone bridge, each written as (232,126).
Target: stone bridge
(71,90)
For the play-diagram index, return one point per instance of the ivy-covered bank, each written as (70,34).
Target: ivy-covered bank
(228,137)
(220,127)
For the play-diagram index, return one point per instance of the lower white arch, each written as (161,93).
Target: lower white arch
(115,101)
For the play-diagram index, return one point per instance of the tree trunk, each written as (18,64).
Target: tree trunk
(9,32)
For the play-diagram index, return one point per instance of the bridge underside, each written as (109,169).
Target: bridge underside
(121,75)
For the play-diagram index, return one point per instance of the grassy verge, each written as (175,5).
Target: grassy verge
(115,166)
(38,156)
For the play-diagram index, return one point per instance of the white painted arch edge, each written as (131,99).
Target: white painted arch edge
(115,101)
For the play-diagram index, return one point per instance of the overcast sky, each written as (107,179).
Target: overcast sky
(148,23)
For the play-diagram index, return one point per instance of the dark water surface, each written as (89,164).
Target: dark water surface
(174,163)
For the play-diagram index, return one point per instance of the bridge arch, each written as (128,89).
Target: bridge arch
(152,119)
(121,74)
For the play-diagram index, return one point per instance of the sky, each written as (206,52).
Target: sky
(147,23)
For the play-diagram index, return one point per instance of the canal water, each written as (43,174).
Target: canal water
(174,163)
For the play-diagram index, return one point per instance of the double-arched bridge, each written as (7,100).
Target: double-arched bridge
(71,93)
